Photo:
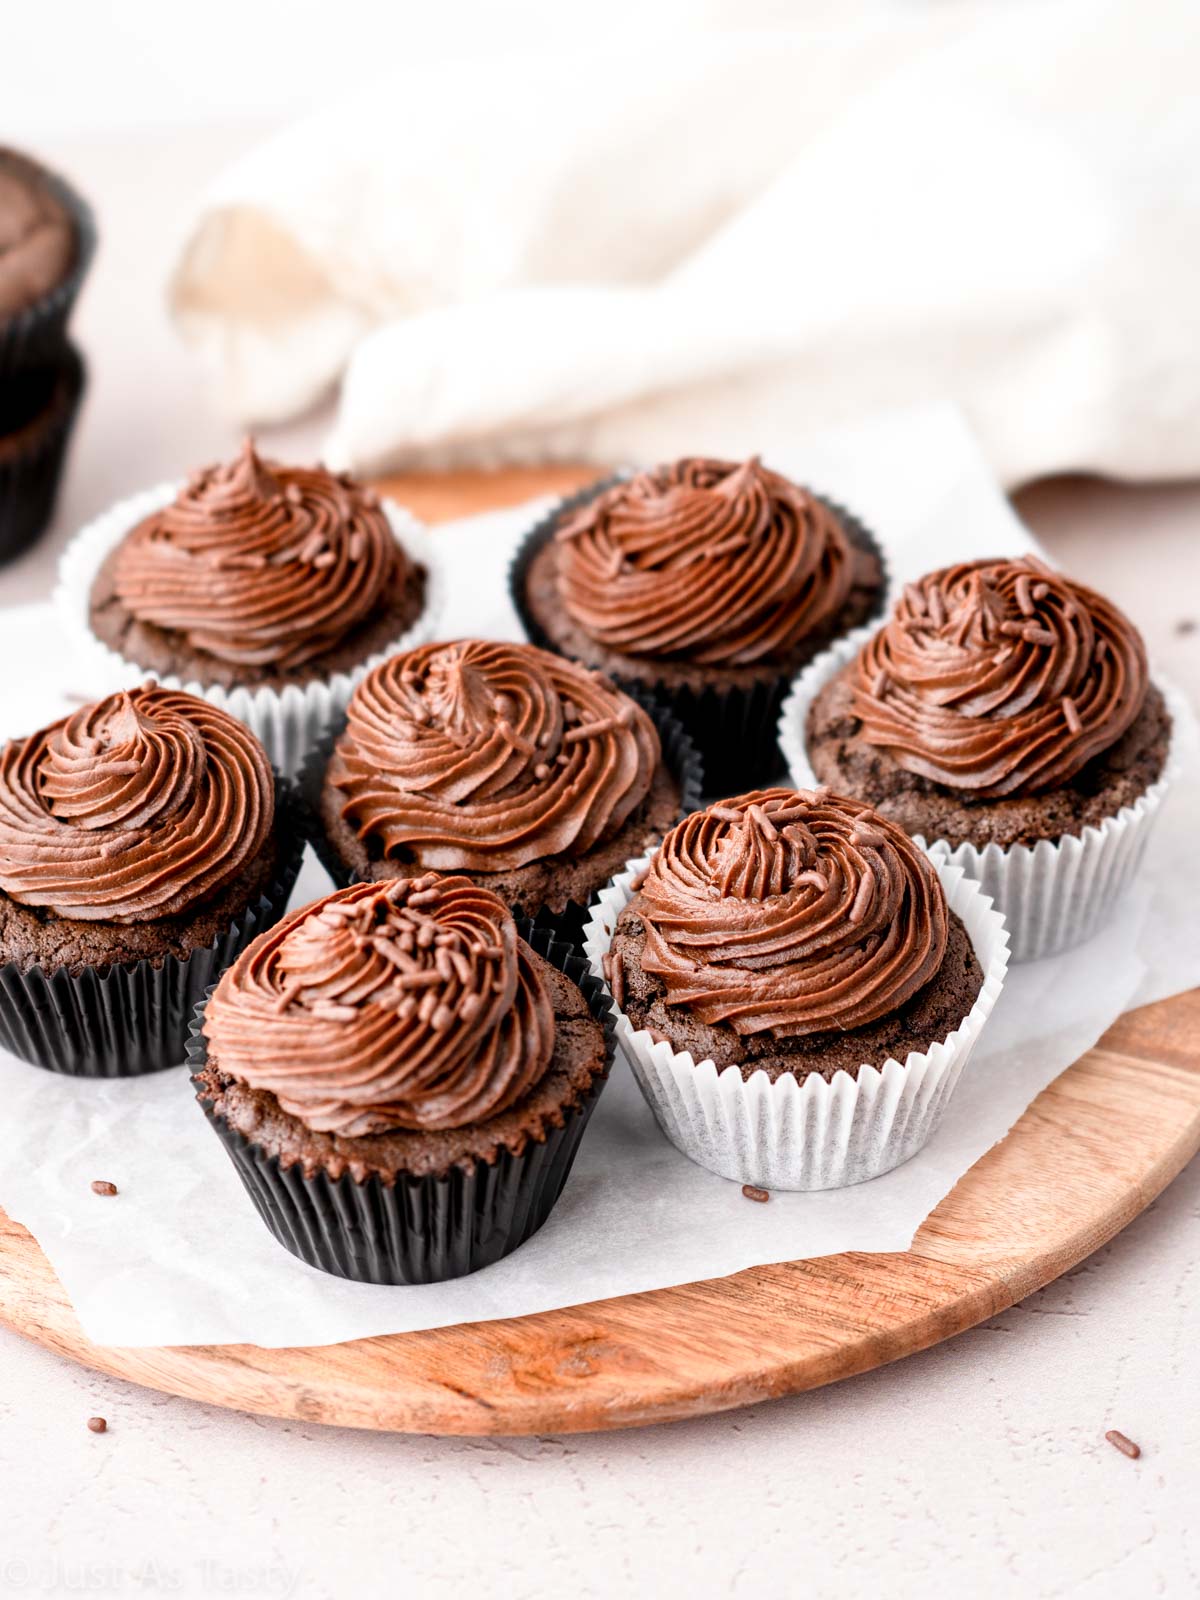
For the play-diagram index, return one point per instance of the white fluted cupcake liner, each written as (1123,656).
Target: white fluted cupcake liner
(805,1134)
(288,721)
(1054,894)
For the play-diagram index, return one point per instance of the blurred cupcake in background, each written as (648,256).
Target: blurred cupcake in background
(47,240)
(1005,717)
(707,583)
(267,589)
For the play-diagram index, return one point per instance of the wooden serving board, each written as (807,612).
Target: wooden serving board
(1089,1154)
(1083,1161)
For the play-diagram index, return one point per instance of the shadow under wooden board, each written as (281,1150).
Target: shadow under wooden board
(1089,1154)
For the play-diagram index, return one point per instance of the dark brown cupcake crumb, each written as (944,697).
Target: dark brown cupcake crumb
(102,1186)
(753,1193)
(98,1424)
(1126,1446)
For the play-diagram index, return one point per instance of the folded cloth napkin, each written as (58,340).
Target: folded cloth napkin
(717,241)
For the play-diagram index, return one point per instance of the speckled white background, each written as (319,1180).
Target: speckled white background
(978,1468)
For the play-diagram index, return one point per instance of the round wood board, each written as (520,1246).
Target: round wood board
(1082,1162)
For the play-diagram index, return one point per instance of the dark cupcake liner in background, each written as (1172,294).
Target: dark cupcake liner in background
(36,336)
(131,1018)
(419,1229)
(32,455)
(734,728)
(679,751)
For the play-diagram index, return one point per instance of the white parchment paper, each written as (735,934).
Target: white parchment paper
(180,1257)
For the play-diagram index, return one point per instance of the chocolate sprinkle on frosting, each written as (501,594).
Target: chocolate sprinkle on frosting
(411,1004)
(986,680)
(828,916)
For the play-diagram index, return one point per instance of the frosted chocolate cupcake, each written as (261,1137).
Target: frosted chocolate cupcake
(266,588)
(401,1080)
(778,960)
(709,583)
(141,847)
(534,776)
(1006,716)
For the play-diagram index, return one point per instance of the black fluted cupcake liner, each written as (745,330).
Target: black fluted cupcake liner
(31,456)
(36,336)
(125,1019)
(419,1229)
(679,752)
(733,726)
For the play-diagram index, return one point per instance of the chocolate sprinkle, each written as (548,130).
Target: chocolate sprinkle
(753,1193)
(97,1424)
(1125,1445)
(102,1186)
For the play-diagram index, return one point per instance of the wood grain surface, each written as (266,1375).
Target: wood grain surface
(1088,1155)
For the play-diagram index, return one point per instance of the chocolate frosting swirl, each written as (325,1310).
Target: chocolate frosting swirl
(260,564)
(791,912)
(134,808)
(721,564)
(411,1004)
(482,757)
(999,677)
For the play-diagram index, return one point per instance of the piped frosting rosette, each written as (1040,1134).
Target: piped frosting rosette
(253,564)
(479,756)
(697,581)
(784,914)
(410,1004)
(1001,679)
(133,808)
(717,562)
(143,807)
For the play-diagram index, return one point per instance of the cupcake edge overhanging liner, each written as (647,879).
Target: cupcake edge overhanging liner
(797,1134)
(1054,894)
(418,1229)
(288,721)
(126,1019)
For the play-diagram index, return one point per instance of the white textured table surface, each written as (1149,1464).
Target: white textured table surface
(977,1468)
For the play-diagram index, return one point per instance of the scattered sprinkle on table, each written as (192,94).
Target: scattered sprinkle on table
(97,1424)
(752,1193)
(1126,1446)
(102,1186)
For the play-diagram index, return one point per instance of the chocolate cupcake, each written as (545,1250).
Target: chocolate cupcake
(267,589)
(706,582)
(799,986)
(143,844)
(400,1080)
(1004,716)
(47,239)
(33,444)
(534,776)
